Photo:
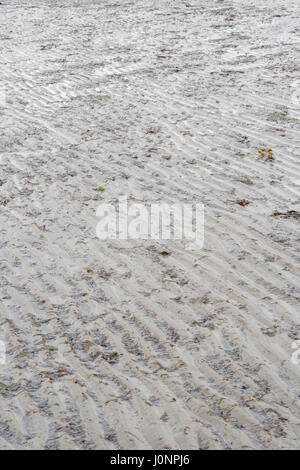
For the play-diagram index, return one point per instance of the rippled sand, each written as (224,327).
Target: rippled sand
(143,344)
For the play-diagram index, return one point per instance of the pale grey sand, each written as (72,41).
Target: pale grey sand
(161,101)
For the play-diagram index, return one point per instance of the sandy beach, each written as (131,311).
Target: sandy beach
(143,344)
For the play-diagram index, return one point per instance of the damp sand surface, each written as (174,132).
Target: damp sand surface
(143,344)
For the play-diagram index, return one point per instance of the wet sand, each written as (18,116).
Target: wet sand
(143,344)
